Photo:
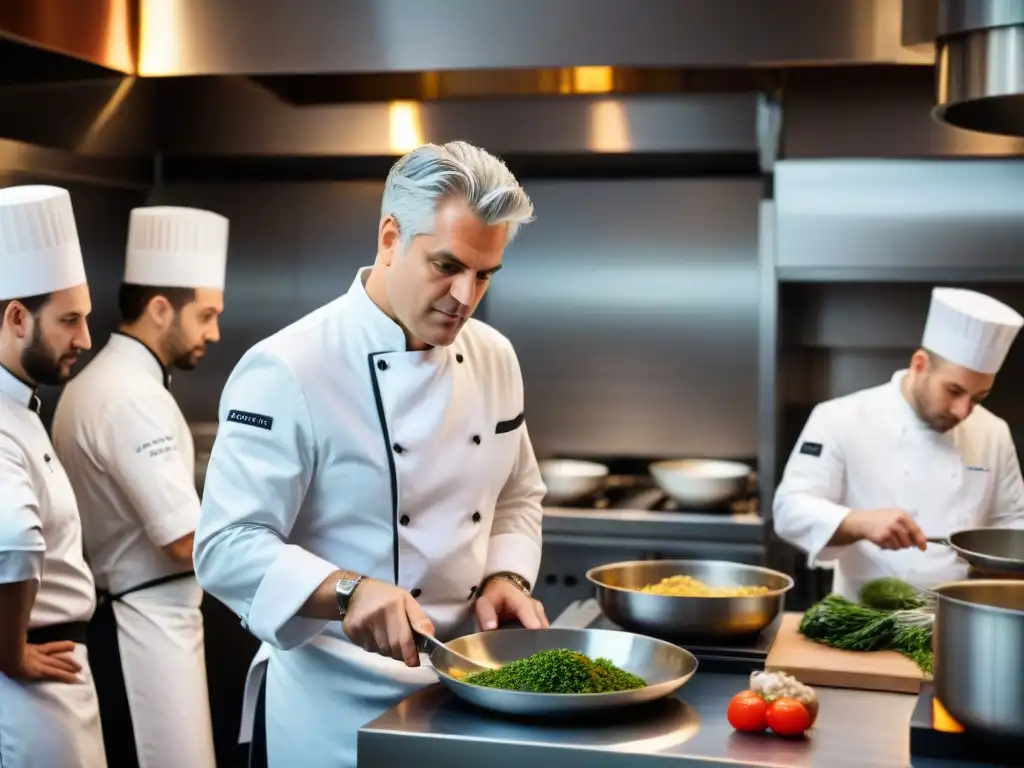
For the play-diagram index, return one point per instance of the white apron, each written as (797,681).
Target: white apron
(338,448)
(155,676)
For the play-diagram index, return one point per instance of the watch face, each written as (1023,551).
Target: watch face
(346,586)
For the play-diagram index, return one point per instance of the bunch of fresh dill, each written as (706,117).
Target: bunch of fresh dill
(892,615)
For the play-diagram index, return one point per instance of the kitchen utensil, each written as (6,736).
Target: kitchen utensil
(978,639)
(999,550)
(443,657)
(569,480)
(818,664)
(701,482)
(663,666)
(617,591)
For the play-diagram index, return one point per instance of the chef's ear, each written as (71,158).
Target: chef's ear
(160,311)
(17,318)
(389,237)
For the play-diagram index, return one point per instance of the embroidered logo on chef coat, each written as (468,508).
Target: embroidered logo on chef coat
(251,419)
(811,449)
(976,469)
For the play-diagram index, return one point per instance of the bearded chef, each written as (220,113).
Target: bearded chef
(130,457)
(373,470)
(877,472)
(49,715)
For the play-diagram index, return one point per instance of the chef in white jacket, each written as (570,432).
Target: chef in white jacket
(49,715)
(373,469)
(875,473)
(129,453)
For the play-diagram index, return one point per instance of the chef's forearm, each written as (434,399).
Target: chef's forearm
(848,532)
(15,605)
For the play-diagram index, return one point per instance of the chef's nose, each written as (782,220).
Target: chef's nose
(961,408)
(82,339)
(213,332)
(463,286)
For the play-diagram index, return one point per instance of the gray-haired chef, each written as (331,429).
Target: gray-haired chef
(373,470)
(49,714)
(877,472)
(129,453)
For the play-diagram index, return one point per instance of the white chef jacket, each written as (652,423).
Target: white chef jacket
(338,448)
(129,452)
(43,724)
(869,450)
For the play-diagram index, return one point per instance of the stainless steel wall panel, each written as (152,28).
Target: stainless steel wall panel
(900,214)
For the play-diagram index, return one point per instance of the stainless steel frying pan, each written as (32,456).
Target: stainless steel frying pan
(663,666)
(988,549)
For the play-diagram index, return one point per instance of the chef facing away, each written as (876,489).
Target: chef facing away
(877,472)
(130,457)
(372,469)
(49,714)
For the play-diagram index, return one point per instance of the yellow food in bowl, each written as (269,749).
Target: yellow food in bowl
(687,586)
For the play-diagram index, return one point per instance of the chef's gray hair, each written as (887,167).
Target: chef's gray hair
(432,173)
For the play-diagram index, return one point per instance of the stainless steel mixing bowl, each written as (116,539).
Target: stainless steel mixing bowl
(618,585)
(663,666)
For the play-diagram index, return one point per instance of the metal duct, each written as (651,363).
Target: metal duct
(980,65)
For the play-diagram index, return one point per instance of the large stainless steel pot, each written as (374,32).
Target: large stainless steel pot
(618,584)
(979,655)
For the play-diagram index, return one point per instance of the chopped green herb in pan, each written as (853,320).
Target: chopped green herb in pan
(558,671)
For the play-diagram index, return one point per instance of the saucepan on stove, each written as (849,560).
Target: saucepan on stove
(978,640)
(570,480)
(990,551)
(698,483)
(705,600)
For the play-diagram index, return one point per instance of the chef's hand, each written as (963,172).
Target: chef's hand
(889,528)
(379,619)
(501,599)
(49,662)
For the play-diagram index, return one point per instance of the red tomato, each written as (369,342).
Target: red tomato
(748,712)
(788,717)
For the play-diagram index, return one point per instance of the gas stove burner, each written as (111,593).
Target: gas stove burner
(934,733)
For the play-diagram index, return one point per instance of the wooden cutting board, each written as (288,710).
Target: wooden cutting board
(816,664)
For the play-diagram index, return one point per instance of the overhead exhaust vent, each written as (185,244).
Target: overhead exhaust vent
(980,65)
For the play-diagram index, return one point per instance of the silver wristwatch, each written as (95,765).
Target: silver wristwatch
(343,591)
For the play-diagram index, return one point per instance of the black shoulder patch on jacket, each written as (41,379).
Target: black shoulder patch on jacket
(811,449)
(251,419)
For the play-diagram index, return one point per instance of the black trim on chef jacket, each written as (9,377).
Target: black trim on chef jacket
(105,662)
(258,744)
(382,365)
(75,631)
(164,370)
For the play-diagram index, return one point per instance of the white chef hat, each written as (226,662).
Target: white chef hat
(171,247)
(39,248)
(970,329)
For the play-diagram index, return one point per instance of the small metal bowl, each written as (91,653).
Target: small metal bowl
(618,588)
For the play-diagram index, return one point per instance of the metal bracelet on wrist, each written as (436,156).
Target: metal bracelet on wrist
(515,579)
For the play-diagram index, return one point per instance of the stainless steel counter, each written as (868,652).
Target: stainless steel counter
(854,729)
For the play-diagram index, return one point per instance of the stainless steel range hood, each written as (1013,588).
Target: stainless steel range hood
(980,65)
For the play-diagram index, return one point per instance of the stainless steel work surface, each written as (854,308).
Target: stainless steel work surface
(854,728)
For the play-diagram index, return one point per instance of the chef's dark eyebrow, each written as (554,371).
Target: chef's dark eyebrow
(451,258)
